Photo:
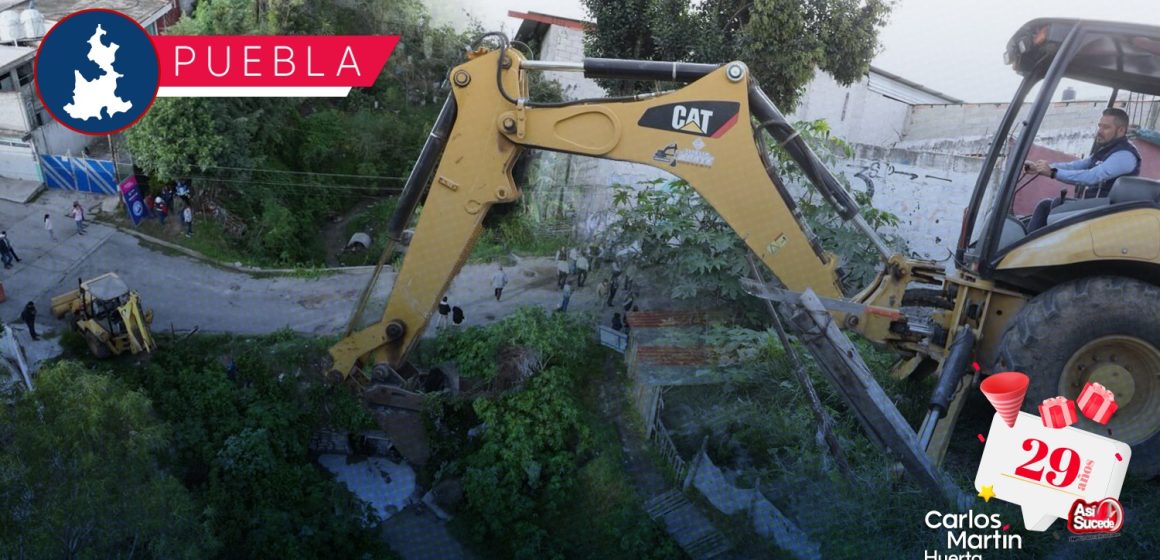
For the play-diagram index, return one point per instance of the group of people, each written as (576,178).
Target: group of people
(575,263)
(162,204)
(449,313)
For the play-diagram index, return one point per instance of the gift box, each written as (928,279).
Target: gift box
(1058,412)
(1097,403)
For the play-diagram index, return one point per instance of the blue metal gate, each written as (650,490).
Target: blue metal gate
(79,174)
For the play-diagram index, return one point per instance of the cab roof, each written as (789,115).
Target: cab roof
(106,287)
(1113,54)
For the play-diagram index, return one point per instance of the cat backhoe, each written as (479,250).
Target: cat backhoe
(1075,301)
(108,315)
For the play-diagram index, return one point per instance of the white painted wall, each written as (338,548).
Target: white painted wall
(54,139)
(563,44)
(855,113)
(928,201)
(967,129)
(12,113)
(19,162)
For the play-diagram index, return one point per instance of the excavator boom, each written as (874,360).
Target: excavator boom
(702,133)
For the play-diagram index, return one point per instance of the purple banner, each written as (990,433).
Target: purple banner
(133,202)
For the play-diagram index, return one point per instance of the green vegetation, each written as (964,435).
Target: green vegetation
(668,227)
(782,41)
(186,462)
(79,475)
(274,172)
(543,480)
(372,221)
(283,166)
(514,233)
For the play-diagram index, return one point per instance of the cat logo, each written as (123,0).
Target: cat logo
(700,118)
(691,120)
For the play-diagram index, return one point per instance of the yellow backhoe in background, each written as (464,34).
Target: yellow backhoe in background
(109,316)
(1072,302)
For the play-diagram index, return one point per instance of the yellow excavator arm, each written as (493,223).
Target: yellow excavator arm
(705,133)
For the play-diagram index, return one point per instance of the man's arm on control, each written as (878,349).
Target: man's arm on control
(1119,163)
(1084,163)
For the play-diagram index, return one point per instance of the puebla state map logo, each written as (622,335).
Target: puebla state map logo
(97,72)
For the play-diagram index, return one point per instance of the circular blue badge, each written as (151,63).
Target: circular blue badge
(97,72)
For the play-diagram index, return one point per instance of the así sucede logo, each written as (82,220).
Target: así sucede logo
(97,72)
(1106,516)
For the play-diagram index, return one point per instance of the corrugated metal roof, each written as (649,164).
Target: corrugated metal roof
(906,91)
(675,355)
(659,319)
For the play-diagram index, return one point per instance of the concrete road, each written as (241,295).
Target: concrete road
(187,293)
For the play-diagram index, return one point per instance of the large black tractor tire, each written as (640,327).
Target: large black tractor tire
(1103,329)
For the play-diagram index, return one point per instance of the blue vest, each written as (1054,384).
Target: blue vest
(1101,155)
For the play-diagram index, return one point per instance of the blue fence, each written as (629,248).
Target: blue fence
(79,174)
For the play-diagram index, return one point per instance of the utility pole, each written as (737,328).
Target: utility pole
(113,156)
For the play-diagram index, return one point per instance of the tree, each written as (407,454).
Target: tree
(312,158)
(782,41)
(668,227)
(79,475)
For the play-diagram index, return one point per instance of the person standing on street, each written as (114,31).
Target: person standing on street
(573,254)
(457,315)
(162,210)
(567,296)
(581,270)
(78,215)
(7,253)
(29,318)
(561,273)
(611,291)
(444,313)
(498,281)
(48,226)
(187,217)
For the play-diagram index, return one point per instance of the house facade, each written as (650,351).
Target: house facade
(27,131)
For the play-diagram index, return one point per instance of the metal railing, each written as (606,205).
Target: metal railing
(611,338)
(665,445)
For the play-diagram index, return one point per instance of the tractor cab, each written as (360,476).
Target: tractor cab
(1112,65)
(103,297)
(108,315)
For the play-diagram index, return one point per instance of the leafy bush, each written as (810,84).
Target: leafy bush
(539,482)
(526,467)
(79,475)
(669,228)
(555,339)
(281,167)
(241,446)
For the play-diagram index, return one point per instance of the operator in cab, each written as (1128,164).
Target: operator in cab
(1093,176)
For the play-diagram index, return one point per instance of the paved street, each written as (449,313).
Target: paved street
(187,293)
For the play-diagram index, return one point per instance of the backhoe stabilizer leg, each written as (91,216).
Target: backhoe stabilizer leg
(849,376)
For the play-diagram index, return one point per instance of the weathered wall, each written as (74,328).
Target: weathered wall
(12,112)
(1068,127)
(54,139)
(564,44)
(928,199)
(854,113)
